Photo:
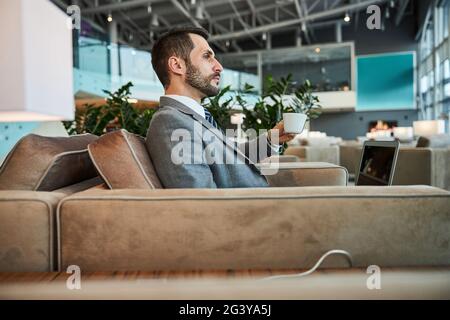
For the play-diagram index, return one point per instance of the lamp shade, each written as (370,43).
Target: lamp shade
(429,127)
(36,77)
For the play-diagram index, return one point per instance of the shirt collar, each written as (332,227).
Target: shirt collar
(188,102)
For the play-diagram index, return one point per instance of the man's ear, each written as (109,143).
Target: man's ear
(176,65)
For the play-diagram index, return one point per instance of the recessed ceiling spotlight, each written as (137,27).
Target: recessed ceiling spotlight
(347,17)
(109,18)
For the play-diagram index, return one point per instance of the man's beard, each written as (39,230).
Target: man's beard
(200,82)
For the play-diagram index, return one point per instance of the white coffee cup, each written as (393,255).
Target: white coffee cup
(294,122)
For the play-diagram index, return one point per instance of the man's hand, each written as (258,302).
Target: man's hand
(279,129)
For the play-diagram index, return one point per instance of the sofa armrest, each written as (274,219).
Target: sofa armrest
(281,158)
(315,153)
(301,174)
(27,231)
(440,168)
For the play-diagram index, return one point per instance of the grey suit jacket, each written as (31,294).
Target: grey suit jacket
(188,152)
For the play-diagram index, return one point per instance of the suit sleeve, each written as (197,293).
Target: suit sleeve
(173,145)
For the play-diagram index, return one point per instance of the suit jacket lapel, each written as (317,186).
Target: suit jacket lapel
(166,101)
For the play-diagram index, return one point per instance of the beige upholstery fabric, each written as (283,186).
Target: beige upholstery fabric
(350,156)
(300,174)
(440,173)
(328,154)
(123,162)
(27,230)
(434,141)
(179,229)
(413,166)
(281,159)
(96,182)
(47,163)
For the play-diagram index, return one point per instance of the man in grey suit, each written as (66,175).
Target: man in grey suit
(187,147)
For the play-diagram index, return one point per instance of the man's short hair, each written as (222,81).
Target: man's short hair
(175,42)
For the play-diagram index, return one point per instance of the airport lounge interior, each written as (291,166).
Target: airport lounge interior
(321,128)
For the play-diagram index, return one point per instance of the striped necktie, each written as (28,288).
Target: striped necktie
(210,118)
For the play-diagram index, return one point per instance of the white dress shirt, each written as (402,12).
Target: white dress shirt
(198,108)
(188,102)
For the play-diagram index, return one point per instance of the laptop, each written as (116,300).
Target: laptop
(377,164)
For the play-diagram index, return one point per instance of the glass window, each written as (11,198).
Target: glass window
(446,12)
(240,69)
(446,80)
(93,55)
(327,67)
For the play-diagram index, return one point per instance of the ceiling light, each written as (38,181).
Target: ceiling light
(303,27)
(199,14)
(264,36)
(317,50)
(192,2)
(109,19)
(392,4)
(387,13)
(347,17)
(227,43)
(149,8)
(155,21)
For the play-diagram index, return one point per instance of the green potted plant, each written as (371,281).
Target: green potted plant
(116,113)
(279,97)
(303,106)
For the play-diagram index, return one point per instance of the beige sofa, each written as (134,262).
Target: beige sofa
(29,232)
(307,211)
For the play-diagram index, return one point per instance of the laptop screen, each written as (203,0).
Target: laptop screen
(376,166)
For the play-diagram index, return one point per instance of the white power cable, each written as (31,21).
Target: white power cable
(317,265)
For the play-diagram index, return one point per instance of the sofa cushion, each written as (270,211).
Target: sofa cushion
(123,162)
(434,141)
(47,163)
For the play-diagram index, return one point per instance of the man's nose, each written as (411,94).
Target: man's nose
(217,66)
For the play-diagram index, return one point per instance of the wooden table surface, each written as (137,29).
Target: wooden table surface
(21,277)
(396,283)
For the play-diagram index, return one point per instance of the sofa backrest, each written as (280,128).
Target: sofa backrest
(40,163)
